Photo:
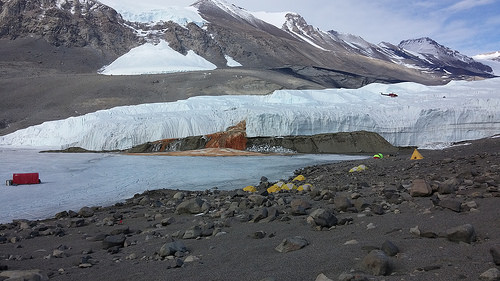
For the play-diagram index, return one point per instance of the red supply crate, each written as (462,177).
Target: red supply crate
(25,178)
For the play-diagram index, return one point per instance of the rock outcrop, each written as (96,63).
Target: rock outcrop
(235,138)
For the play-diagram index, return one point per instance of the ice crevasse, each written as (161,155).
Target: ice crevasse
(420,115)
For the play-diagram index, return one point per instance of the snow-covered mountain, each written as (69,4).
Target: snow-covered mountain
(491,59)
(47,40)
(420,115)
(215,29)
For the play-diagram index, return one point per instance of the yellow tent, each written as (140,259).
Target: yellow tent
(250,189)
(416,155)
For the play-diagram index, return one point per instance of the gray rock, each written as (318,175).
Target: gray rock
(342,203)
(193,232)
(257,199)
(77,223)
(389,248)
(179,195)
(260,215)
(377,209)
(420,188)
(451,204)
(258,235)
(24,275)
(299,206)
(377,263)
(191,206)
(322,277)
(464,233)
(86,212)
(324,218)
(492,274)
(171,248)
(175,263)
(446,188)
(113,241)
(272,214)
(495,253)
(292,244)
(167,221)
(120,230)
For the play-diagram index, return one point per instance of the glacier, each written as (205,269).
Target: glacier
(419,116)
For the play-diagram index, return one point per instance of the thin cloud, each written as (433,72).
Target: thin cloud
(469,4)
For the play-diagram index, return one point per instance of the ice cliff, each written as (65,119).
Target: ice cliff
(419,116)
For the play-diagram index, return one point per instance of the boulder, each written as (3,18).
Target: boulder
(492,274)
(495,253)
(324,218)
(171,248)
(193,232)
(451,204)
(292,244)
(389,248)
(86,212)
(113,241)
(342,203)
(377,263)
(25,275)
(191,206)
(420,188)
(299,206)
(464,233)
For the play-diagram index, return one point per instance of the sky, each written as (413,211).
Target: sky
(468,26)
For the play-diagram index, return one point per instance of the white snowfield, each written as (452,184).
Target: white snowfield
(419,116)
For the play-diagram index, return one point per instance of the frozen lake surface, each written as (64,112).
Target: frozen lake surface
(71,181)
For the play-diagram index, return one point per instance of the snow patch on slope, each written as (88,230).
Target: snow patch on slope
(491,59)
(154,59)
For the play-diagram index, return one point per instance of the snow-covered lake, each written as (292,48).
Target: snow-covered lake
(71,181)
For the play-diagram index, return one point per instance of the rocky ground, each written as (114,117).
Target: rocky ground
(437,218)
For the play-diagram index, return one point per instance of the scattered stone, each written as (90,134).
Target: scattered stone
(167,221)
(389,248)
(323,277)
(175,263)
(420,188)
(451,204)
(292,244)
(25,275)
(179,195)
(191,258)
(415,231)
(191,206)
(171,248)
(258,235)
(257,199)
(77,223)
(120,230)
(371,226)
(324,218)
(113,241)
(86,212)
(377,263)
(342,203)
(260,215)
(492,274)
(351,242)
(193,232)
(464,233)
(495,253)
(299,206)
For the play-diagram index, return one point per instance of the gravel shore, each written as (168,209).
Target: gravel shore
(437,218)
